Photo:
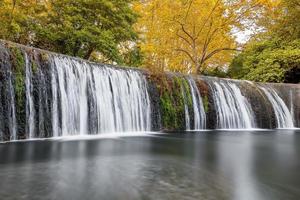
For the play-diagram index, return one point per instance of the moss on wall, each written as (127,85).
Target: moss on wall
(18,74)
(172,102)
(34,67)
(187,90)
(18,69)
(205,103)
(44,57)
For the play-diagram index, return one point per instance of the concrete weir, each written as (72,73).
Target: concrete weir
(44,94)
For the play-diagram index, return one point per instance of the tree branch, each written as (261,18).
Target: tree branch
(207,19)
(188,54)
(186,40)
(217,51)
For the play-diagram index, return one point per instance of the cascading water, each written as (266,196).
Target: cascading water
(63,96)
(292,106)
(12,111)
(186,108)
(93,100)
(54,110)
(283,116)
(30,112)
(198,108)
(232,108)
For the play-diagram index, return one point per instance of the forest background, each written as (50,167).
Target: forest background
(257,40)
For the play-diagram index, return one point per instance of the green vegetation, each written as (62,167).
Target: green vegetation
(34,66)
(99,30)
(205,103)
(172,100)
(18,70)
(273,56)
(198,38)
(267,61)
(187,91)
(18,67)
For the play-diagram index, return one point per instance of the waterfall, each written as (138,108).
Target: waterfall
(232,108)
(95,99)
(186,108)
(292,106)
(30,112)
(283,116)
(54,110)
(12,111)
(198,108)
(63,96)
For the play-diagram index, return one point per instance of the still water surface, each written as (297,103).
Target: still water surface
(205,165)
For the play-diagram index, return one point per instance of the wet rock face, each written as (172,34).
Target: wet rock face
(262,108)
(290,93)
(31,98)
(155,104)
(5,77)
(208,103)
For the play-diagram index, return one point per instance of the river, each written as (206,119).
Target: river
(225,165)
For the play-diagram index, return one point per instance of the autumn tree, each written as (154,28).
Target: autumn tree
(99,30)
(191,35)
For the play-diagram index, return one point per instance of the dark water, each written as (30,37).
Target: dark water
(205,165)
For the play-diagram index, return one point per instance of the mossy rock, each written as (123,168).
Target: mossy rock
(172,100)
(18,70)
(18,67)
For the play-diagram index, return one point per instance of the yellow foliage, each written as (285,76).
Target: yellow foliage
(190,35)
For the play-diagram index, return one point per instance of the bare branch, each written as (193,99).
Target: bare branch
(185,31)
(188,54)
(217,51)
(189,8)
(186,40)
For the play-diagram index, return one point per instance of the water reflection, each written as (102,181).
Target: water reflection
(205,165)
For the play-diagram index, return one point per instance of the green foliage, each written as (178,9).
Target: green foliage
(169,119)
(215,71)
(17,19)
(133,57)
(187,92)
(34,67)
(172,101)
(266,61)
(287,25)
(99,30)
(274,56)
(18,67)
(205,103)
(79,28)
